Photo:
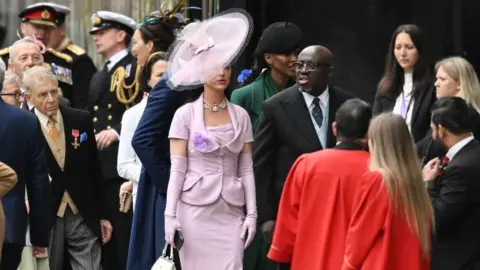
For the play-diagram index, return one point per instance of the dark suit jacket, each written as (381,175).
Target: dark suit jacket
(456,203)
(82,176)
(421,110)
(22,148)
(150,140)
(429,149)
(107,111)
(285,131)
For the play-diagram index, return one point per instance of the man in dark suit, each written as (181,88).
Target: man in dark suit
(76,179)
(23,150)
(454,188)
(112,33)
(295,121)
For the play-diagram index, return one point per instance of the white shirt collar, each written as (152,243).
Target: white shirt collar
(458,146)
(116,58)
(323,98)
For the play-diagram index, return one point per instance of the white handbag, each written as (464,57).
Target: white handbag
(165,262)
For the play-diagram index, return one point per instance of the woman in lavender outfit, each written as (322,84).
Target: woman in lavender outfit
(211,176)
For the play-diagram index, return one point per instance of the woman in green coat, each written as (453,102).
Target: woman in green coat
(273,70)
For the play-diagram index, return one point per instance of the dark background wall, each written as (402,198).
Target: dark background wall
(358,32)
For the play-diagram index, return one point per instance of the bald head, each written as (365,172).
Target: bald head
(313,69)
(319,54)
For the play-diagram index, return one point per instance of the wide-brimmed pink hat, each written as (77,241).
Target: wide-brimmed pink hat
(204,47)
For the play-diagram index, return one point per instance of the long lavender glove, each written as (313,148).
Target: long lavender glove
(175,184)
(245,171)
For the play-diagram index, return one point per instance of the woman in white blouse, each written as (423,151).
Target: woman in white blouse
(406,87)
(128,164)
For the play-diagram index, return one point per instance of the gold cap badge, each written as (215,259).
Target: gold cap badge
(96,20)
(45,15)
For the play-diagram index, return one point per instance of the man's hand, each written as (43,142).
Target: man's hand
(105,138)
(106,230)
(267,230)
(39,252)
(432,169)
(125,188)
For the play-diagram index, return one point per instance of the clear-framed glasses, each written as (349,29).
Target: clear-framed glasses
(310,66)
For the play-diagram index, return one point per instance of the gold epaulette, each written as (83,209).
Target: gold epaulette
(75,49)
(126,94)
(63,56)
(4,51)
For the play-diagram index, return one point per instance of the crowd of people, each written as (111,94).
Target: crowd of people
(150,162)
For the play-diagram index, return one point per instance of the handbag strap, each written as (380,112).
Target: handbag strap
(164,252)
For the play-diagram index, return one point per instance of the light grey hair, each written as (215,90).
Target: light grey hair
(3,68)
(25,40)
(37,75)
(11,77)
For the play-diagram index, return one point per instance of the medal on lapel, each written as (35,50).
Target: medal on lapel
(75,134)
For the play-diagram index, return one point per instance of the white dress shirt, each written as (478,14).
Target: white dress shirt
(324,105)
(406,98)
(457,147)
(116,58)
(128,164)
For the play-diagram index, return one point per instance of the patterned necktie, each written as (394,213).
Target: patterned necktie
(317,112)
(53,130)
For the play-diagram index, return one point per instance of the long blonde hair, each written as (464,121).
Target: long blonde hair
(393,155)
(462,71)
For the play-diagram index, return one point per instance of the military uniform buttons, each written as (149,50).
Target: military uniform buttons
(109,105)
(109,127)
(95,108)
(95,119)
(109,117)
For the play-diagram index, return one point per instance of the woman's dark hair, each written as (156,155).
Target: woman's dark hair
(259,64)
(160,30)
(147,71)
(393,78)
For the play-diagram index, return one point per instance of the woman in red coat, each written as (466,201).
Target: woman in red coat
(391,225)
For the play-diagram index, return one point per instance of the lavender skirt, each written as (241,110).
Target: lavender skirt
(212,236)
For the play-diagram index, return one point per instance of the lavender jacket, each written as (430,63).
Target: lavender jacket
(211,168)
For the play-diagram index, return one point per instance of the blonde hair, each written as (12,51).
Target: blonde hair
(35,76)
(462,71)
(393,155)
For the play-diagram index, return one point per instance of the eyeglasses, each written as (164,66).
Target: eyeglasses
(16,95)
(310,66)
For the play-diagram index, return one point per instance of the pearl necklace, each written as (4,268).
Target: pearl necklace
(216,107)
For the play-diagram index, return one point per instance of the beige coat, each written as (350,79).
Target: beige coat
(8,179)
